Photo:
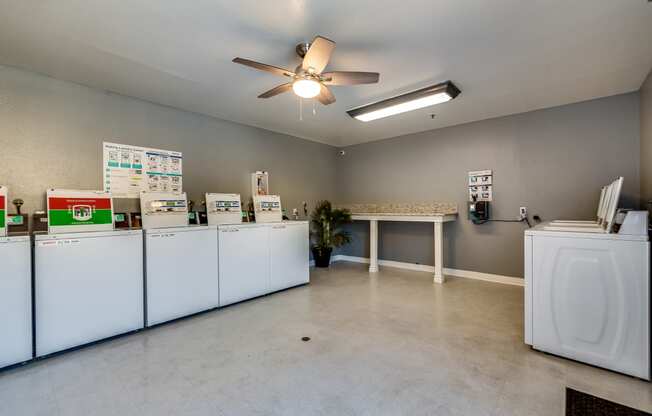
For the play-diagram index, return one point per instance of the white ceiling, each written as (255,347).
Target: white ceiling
(507,56)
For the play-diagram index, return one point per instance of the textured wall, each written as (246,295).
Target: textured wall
(553,161)
(51,135)
(646,142)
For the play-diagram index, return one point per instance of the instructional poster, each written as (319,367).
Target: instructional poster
(128,170)
(480,185)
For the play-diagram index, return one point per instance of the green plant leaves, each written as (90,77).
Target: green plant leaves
(326,225)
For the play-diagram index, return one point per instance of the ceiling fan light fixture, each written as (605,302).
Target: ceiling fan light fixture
(425,97)
(306,88)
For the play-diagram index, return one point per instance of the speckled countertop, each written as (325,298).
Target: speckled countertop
(420,208)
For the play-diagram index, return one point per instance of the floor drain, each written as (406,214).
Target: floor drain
(305,339)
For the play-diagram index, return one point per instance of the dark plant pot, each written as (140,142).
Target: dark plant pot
(322,256)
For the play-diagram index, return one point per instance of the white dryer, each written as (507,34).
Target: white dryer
(289,258)
(587,297)
(15,300)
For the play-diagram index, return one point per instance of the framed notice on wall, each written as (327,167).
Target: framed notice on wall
(128,170)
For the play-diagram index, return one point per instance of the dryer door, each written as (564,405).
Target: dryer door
(591,301)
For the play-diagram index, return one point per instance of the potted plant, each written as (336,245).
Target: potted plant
(327,231)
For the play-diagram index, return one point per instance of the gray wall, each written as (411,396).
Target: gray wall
(553,161)
(646,142)
(51,135)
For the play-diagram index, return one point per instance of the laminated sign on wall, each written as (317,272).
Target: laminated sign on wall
(480,185)
(3,211)
(128,170)
(75,211)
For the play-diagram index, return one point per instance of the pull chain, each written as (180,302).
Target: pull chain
(300,109)
(314,108)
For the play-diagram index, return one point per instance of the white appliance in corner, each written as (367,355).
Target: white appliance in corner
(15,300)
(243,262)
(289,258)
(181,272)
(87,287)
(587,297)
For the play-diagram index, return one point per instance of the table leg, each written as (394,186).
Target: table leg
(373,246)
(439,254)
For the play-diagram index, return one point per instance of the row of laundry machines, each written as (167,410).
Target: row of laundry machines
(587,287)
(90,282)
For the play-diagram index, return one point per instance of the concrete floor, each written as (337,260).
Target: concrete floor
(390,344)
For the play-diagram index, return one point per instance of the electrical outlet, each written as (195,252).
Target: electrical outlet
(522,213)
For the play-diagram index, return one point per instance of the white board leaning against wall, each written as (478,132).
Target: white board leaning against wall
(127,170)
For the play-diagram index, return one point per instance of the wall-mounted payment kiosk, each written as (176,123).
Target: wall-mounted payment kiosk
(87,285)
(268,208)
(163,209)
(223,208)
(181,259)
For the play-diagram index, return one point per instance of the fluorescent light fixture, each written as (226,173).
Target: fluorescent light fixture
(306,88)
(425,97)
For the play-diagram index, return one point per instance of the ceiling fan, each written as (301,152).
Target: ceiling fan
(308,80)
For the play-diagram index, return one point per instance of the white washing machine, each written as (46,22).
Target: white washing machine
(88,286)
(587,297)
(289,254)
(15,300)
(256,259)
(243,262)
(181,272)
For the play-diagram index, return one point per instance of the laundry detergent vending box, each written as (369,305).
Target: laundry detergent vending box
(3,211)
(79,211)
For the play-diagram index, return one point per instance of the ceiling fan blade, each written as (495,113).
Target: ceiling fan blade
(318,55)
(280,89)
(325,95)
(263,67)
(350,77)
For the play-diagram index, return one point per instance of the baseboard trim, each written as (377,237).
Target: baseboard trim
(468,274)
(487,277)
